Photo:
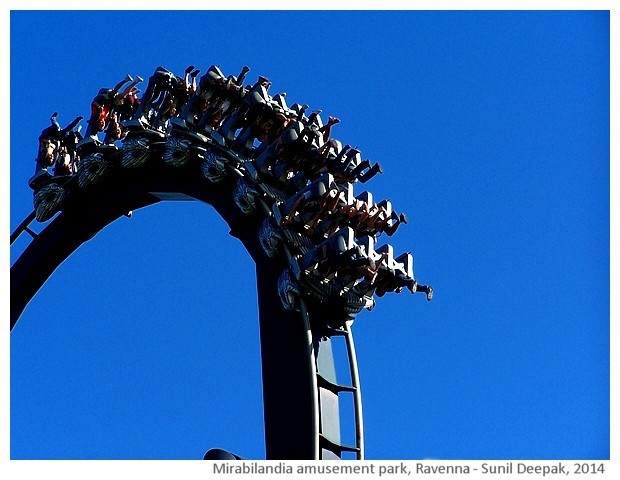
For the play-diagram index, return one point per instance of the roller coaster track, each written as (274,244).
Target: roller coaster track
(302,395)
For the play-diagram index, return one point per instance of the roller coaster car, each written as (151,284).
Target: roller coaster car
(140,129)
(214,81)
(295,283)
(263,122)
(338,255)
(307,199)
(397,273)
(269,155)
(50,194)
(334,289)
(179,129)
(39,179)
(255,102)
(90,145)
(402,265)
(183,146)
(269,186)
(271,235)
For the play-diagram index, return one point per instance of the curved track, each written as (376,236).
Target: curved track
(301,392)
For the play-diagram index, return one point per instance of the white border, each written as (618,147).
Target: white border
(198,469)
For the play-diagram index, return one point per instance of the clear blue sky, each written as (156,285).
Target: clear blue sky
(493,130)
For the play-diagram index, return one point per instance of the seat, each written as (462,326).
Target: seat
(389,249)
(365,197)
(406,259)
(388,207)
(280,100)
(343,240)
(347,189)
(368,243)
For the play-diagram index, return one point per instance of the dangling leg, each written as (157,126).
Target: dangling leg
(375,169)
(128,90)
(118,86)
(363,211)
(241,76)
(153,90)
(193,86)
(186,81)
(313,116)
(147,98)
(398,219)
(54,120)
(326,129)
(427,289)
(360,167)
(376,265)
(290,208)
(333,197)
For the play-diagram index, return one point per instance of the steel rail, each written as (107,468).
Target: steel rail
(295,416)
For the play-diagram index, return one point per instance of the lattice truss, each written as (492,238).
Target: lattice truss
(283,163)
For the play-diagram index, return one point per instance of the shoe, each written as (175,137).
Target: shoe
(429,293)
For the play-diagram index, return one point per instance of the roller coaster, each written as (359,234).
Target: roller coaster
(285,188)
